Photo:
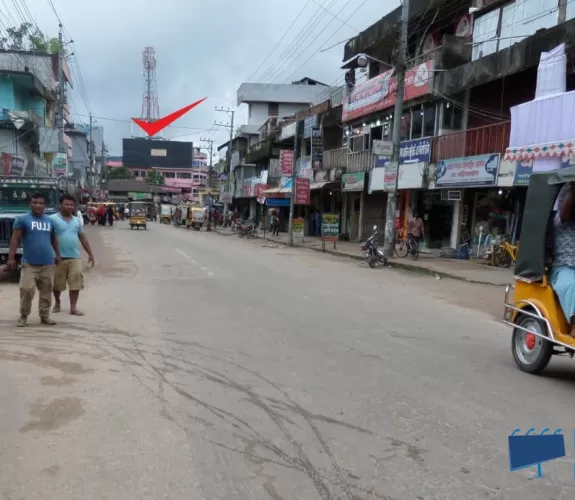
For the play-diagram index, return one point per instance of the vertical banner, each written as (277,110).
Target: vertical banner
(302,191)
(286,162)
(316,149)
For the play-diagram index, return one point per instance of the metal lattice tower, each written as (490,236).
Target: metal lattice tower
(150,106)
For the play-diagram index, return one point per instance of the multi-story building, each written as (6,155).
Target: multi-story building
(254,149)
(89,176)
(28,103)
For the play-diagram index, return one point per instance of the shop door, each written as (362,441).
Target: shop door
(374,213)
(437,217)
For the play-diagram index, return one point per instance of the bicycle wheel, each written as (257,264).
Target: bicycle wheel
(502,257)
(400,248)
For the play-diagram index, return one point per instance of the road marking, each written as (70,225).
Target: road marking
(193,262)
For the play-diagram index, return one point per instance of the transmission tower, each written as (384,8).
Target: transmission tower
(150,106)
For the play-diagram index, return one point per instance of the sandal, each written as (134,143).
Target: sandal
(22,321)
(76,313)
(47,321)
(56,309)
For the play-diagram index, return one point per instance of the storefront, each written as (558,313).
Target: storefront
(469,193)
(353,188)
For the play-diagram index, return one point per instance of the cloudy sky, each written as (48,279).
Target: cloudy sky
(203,48)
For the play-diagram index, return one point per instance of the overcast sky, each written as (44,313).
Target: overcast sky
(203,48)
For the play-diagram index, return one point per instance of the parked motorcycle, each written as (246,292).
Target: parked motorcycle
(247,228)
(373,255)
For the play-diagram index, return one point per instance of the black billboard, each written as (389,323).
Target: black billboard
(148,153)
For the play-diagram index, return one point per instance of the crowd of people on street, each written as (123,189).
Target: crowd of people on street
(102,215)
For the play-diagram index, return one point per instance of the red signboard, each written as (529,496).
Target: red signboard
(378,93)
(302,191)
(286,162)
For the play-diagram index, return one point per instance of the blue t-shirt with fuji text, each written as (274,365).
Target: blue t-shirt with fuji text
(36,239)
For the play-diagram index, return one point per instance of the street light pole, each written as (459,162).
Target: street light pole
(389,234)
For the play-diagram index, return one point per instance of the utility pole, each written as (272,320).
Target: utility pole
(389,234)
(210,149)
(62,147)
(293,181)
(231,114)
(91,176)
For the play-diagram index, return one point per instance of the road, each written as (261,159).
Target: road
(209,367)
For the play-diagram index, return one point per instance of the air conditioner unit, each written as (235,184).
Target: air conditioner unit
(451,195)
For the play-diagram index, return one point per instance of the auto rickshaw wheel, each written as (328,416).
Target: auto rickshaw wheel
(531,352)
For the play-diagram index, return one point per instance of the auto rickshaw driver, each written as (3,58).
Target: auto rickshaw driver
(563,258)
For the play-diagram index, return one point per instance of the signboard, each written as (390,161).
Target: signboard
(139,196)
(415,151)
(353,182)
(316,149)
(11,165)
(378,94)
(158,152)
(308,125)
(297,227)
(470,171)
(286,162)
(302,191)
(390,175)
(382,148)
(329,227)
(60,164)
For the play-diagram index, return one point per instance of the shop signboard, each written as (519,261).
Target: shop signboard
(411,175)
(524,169)
(470,171)
(379,93)
(286,162)
(297,227)
(60,164)
(382,148)
(415,151)
(329,227)
(316,149)
(390,175)
(308,125)
(138,196)
(353,182)
(302,191)
(11,165)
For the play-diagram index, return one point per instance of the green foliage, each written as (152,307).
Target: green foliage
(29,37)
(119,173)
(154,177)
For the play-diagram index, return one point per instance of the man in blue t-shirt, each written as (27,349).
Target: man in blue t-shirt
(40,252)
(69,271)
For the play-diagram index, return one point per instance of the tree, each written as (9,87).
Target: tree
(154,177)
(29,37)
(119,173)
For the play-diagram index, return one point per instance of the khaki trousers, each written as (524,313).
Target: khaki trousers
(32,278)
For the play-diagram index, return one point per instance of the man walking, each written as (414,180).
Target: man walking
(69,271)
(40,251)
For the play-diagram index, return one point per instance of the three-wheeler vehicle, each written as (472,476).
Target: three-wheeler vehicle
(532,308)
(138,214)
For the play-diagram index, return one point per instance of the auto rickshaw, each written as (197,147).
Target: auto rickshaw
(137,211)
(540,329)
(165,214)
(197,218)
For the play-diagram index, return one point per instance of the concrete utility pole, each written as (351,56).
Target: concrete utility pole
(231,113)
(389,236)
(293,181)
(91,176)
(210,149)
(62,147)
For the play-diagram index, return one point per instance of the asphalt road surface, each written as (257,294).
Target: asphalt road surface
(209,367)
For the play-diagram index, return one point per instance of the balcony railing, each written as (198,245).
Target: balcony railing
(471,142)
(335,158)
(361,161)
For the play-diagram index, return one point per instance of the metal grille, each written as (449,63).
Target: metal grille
(6,231)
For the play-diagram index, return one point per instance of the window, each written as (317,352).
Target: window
(169,175)
(485,34)
(405,126)
(452,114)
(416,122)
(429,119)
(273,109)
(184,175)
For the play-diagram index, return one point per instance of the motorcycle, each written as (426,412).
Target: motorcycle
(373,255)
(247,228)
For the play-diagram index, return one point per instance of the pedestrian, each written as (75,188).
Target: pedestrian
(317,218)
(275,224)
(110,215)
(102,215)
(69,271)
(80,217)
(126,212)
(416,229)
(35,231)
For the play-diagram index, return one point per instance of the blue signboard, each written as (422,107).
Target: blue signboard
(523,170)
(308,124)
(414,151)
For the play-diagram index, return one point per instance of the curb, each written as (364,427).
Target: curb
(393,264)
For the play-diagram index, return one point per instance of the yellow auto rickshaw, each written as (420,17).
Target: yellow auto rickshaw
(540,328)
(165,214)
(138,214)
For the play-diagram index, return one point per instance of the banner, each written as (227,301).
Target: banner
(298,227)
(379,93)
(353,182)
(302,191)
(470,171)
(286,162)
(316,149)
(329,227)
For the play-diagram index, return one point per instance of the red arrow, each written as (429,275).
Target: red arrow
(152,128)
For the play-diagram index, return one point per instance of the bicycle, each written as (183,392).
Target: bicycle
(406,246)
(505,253)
